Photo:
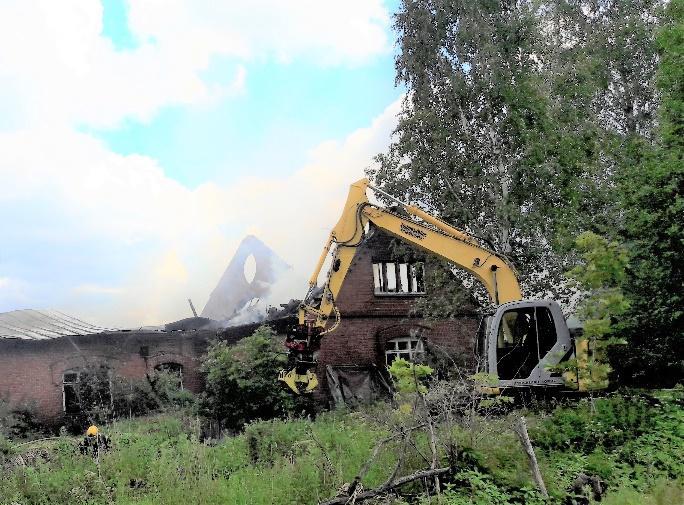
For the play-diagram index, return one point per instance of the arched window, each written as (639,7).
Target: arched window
(409,348)
(172,369)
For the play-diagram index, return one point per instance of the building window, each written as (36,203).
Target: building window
(408,348)
(86,390)
(70,400)
(172,370)
(401,278)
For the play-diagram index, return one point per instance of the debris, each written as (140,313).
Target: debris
(192,307)
(137,483)
(586,489)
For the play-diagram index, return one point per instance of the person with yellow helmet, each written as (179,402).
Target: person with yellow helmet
(94,441)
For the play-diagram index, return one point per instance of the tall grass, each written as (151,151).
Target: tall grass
(160,459)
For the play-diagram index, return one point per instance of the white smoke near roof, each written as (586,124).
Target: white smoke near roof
(112,239)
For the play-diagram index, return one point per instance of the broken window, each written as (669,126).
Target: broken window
(393,277)
(86,390)
(70,393)
(408,348)
(172,370)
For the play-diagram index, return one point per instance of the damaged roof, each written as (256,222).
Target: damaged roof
(32,324)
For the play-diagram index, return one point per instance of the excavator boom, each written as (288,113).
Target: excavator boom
(427,233)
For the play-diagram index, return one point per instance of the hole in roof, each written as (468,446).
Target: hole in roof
(250,268)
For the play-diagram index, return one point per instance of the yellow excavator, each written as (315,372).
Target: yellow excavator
(521,344)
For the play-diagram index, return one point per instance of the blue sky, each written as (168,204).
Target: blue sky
(141,140)
(286,109)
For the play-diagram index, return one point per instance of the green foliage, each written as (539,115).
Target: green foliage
(18,421)
(473,136)
(529,125)
(409,377)
(6,449)
(651,194)
(92,398)
(601,274)
(602,422)
(159,460)
(475,488)
(603,264)
(160,391)
(241,381)
(663,493)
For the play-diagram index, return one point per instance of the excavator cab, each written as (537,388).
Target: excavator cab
(523,340)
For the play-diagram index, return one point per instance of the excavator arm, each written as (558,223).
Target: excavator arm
(409,224)
(423,231)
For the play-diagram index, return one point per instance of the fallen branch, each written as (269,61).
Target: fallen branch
(374,454)
(400,460)
(372,493)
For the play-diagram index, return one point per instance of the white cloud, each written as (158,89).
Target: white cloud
(94,289)
(112,238)
(120,243)
(56,68)
(330,31)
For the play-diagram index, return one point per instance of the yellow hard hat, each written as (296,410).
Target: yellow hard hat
(92,431)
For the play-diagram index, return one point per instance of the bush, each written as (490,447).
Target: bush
(6,448)
(610,423)
(242,381)
(19,421)
(160,460)
(160,391)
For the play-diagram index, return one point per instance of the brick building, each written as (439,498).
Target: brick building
(42,353)
(378,323)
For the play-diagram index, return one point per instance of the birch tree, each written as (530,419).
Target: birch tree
(475,135)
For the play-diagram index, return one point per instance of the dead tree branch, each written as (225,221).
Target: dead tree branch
(376,450)
(372,493)
(520,429)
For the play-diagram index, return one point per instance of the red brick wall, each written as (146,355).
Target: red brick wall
(31,371)
(370,320)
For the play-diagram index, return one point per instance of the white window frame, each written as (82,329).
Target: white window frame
(398,278)
(413,348)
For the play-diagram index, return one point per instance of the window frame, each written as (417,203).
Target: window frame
(76,384)
(408,275)
(73,384)
(412,351)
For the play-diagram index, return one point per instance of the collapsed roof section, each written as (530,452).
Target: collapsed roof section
(30,324)
(236,296)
